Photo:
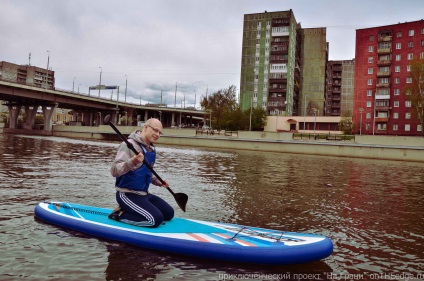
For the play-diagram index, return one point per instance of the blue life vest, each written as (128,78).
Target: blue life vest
(141,178)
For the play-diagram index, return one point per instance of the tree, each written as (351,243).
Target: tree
(415,92)
(346,125)
(258,118)
(220,103)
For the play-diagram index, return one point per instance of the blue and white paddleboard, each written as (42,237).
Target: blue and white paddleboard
(213,240)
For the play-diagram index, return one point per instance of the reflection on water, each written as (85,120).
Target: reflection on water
(372,210)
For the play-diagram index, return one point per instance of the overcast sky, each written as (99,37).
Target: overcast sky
(155,44)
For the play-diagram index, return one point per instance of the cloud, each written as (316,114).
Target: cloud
(156,44)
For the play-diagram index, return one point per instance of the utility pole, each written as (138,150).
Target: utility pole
(175,96)
(126,84)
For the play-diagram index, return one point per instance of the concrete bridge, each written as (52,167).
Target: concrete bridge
(87,109)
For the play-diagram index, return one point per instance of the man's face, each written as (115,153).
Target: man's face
(152,132)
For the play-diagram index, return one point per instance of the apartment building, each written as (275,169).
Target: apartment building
(27,74)
(340,88)
(382,64)
(276,54)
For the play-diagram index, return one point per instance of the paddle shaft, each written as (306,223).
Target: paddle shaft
(181,198)
(131,146)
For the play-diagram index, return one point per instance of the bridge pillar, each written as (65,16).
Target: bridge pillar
(30,113)
(173,119)
(114,117)
(48,116)
(130,112)
(146,115)
(99,118)
(13,115)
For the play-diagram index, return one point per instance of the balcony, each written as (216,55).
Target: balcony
(381,119)
(383,85)
(384,62)
(383,74)
(384,51)
(384,38)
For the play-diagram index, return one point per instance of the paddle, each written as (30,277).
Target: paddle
(180,198)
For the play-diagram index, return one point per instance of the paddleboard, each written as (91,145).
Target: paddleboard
(196,238)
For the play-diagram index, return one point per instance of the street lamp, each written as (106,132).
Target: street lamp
(250,122)
(315,122)
(126,84)
(47,73)
(304,113)
(100,82)
(360,122)
(73,84)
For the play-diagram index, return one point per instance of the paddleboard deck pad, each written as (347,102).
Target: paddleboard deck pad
(204,239)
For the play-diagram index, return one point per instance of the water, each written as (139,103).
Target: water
(372,210)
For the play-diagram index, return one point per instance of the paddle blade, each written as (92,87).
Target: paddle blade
(107,119)
(181,199)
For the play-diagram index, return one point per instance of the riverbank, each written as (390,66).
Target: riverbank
(365,146)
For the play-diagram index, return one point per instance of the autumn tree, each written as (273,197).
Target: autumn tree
(415,91)
(220,103)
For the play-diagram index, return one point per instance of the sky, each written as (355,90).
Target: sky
(169,51)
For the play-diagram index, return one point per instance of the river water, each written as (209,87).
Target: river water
(372,210)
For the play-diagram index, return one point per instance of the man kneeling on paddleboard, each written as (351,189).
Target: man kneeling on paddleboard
(136,205)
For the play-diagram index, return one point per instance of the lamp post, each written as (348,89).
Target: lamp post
(304,114)
(315,122)
(373,122)
(73,84)
(47,73)
(360,122)
(126,84)
(100,82)
(250,121)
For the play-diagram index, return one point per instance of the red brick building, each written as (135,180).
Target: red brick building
(382,69)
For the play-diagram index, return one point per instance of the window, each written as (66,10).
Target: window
(397,80)
(396,92)
(368,104)
(422,43)
(369,81)
(411,32)
(370,60)
(398,57)
(396,104)
(368,115)
(381,126)
(369,93)
(395,127)
(408,103)
(407,115)
(419,128)
(369,70)
(410,56)
(395,115)
(408,68)
(407,127)
(371,49)
(422,55)
(399,34)
(410,44)
(397,68)
(368,126)
(383,80)
(409,80)
(398,46)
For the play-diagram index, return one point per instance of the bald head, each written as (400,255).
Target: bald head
(152,130)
